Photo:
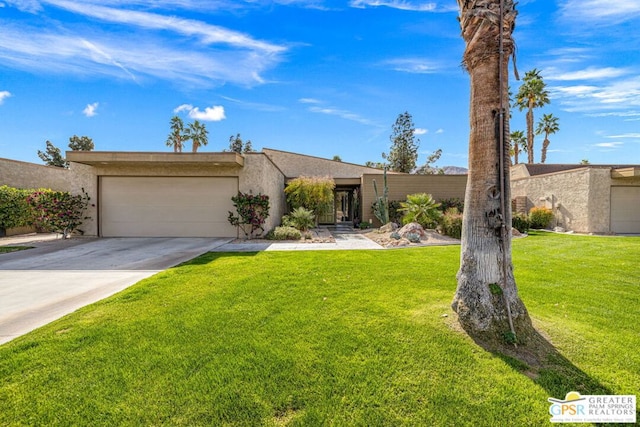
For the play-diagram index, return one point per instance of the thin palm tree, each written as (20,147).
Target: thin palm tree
(518,144)
(176,137)
(198,134)
(486,298)
(548,125)
(532,94)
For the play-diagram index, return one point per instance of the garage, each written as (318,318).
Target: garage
(625,210)
(160,206)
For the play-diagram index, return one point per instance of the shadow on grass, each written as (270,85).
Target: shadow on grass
(539,360)
(209,257)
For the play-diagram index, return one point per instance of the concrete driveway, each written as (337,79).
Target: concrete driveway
(57,277)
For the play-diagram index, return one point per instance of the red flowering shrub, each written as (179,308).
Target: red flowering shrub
(58,211)
(253,212)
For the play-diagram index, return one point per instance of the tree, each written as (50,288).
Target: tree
(81,143)
(547,125)
(429,168)
(404,145)
(314,193)
(52,156)
(376,165)
(237,145)
(337,158)
(177,135)
(198,134)
(532,94)
(486,298)
(518,144)
(584,162)
(421,208)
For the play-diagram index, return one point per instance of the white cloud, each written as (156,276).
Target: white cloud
(210,114)
(309,101)
(626,135)
(90,109)
(420,131)
(607,12)
(412,65)
(439,131)
(347,115)
(4,95)
(589,73)
(31,6)
(622,94)
(608,144)
(410,5)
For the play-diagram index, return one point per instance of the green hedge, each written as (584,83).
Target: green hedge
(14,208)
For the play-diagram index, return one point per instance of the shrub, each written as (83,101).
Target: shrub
(314,193)
(253,212)
(284,233)
(395,214)
(421,208)
(520,222)
(14,208)
(540,217)
(58,211)
(454,202)
(451,223)
(301,219)
(364,225)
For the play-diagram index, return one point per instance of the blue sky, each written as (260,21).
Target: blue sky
(318,77)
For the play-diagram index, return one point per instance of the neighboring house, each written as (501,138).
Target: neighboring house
(599,199)
(136,194)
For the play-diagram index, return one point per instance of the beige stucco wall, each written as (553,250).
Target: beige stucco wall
(19,174)
(439,186)
(260,175)
(580,198)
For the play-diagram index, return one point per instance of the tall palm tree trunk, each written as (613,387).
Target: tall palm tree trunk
(530,153)
(545,146)
(484,296)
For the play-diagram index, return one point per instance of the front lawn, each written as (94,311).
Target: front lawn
(329,338)
(8,249)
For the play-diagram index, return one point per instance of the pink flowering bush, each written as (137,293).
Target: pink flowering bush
(58,211)
(252,213)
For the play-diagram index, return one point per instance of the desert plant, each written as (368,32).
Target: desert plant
(451,223)
(301,219)
(381,203)
(421,208)
(364,225)
(453,202)
(395,215)
(540,217)
(520,222)
(284,233)
(252,213)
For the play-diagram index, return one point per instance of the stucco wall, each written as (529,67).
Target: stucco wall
(19,174)
(439,186)
(260,175)
(579,198)
(83,177)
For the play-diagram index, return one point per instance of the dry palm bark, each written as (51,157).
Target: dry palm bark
(484,297)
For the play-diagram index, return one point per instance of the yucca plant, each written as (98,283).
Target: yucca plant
(421,208)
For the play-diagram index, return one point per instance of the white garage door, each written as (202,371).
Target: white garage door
(166,206)
(625,209)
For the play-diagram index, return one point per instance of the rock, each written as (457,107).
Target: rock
(558,229)
(412,228)
(388,227)
(515,232)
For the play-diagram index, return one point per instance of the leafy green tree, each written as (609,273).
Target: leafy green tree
(337,158)
(404,145)
(81,143)
(237,145)
(421,208)
(584,162)
(518,144)
(314,193)
(52,156)
(177,135)
(377,165)
(532,94)
(198,134)
(429,167)
(548,125)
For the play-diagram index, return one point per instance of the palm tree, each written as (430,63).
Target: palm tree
(547,125)
(532,94)
(486,298)
(176,136)
(197,133)
(518,144)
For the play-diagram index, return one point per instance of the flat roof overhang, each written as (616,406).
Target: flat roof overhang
(627,172)
(337,181)
(104,158)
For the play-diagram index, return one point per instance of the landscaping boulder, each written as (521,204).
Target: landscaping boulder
(413,228)
(388,227)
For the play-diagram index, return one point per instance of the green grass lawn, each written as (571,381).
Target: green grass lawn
(329,338)
(7,249)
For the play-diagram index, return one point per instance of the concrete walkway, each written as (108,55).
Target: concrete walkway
(344,241)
